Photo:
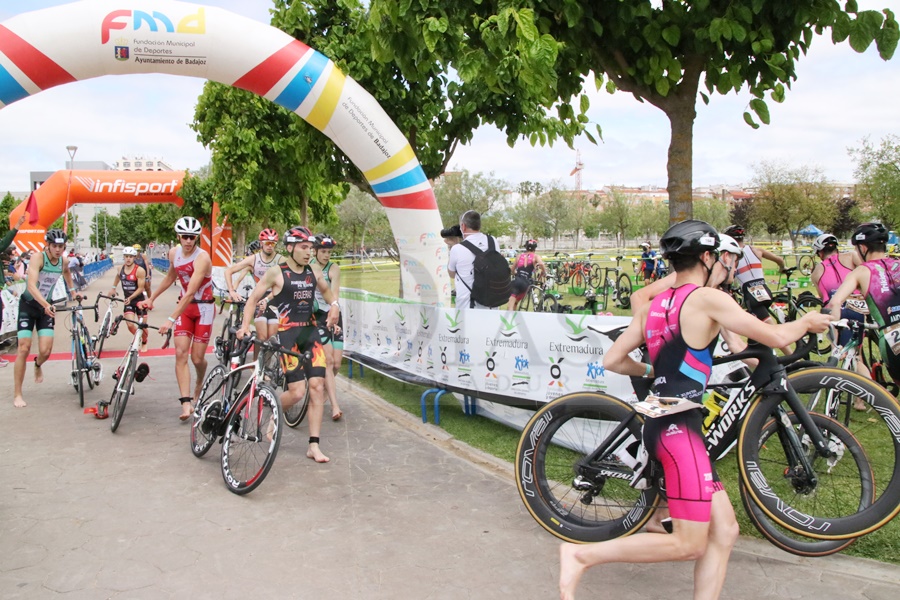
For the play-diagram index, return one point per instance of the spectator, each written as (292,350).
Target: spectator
(452,236)
(462,260)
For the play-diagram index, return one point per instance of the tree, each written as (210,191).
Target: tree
(714,211)
(849,216)
(544,52)
(649,218)
(7,205)
(878,174)
(363,222)
(789,199)
(459,191)
(616,216)
(554,207)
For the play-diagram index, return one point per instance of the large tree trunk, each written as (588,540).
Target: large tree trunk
(681,161)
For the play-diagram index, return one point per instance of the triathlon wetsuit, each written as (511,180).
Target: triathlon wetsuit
(524,276)
(676,441)
(197,318)
(750,274)
(328,337)
(297,330)
(883,298)
(31,313)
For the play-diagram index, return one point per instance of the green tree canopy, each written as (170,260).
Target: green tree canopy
(878,174)
(788,199)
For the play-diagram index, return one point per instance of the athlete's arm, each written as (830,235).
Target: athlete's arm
(763,253)
(34,270)
(67,276)
(643,296)
(141,280)
(330,297)
(855,280)
(271,280)
(617,358)
(241,268)
(202,268)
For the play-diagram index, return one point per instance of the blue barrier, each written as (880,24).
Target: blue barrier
(161,264)
(92,271)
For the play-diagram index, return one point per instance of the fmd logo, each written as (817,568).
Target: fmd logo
(407,263)
(426,236)
(119,19)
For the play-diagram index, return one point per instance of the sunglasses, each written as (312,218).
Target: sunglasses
(188,237)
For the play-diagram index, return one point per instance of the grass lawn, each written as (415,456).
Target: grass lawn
(501,441)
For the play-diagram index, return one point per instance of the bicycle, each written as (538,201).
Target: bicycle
(224,343)
(84,360)
(806,263)
(128,371)
(104,332)
(541,297)
(786,307)
(247,422)
(802,475)
(620,289)
(273,374)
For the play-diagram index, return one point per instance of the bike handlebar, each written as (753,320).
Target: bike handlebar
(78,307)
(141,325)
(269,345)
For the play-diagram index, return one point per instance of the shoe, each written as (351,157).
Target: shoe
(3,362)
(141,372)
(117,374)
(102,410)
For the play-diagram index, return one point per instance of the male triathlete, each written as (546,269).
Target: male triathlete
(36,311)
(523,273)
(333,339)
(878,277)
(750,275)
(194,313)
(143,261)
(293,283)
(133,279)
(704,525)
(648,263)
(257,264)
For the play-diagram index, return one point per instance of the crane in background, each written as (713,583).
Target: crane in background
(579,167)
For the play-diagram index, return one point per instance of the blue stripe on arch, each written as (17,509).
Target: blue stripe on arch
(414,176)
(302,84)
(10,90)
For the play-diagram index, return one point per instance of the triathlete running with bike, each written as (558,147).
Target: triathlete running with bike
(133,280)
(143,261)
(332,339)
(523,273)
(293,284)
(257,263)
(704,525)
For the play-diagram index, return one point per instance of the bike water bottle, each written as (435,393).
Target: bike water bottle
(713,403)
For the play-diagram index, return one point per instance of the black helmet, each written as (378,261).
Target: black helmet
(254,247)
(323,241)
(735,231)
(531,245)
(690,238)
(55,236)
(869,233)
(826,240)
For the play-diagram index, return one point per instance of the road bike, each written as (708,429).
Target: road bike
(246,419)
(613,284)
(128,372)
(105,327)
(85,365)
(541,296)
(225,342)
(806,263)
(808,483)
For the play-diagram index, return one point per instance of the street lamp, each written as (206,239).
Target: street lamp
(71,150)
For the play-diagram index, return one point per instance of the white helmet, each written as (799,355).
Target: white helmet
(188,226)
(129,251)
(727,244)
(826,240)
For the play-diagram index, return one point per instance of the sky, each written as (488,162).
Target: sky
(839,98)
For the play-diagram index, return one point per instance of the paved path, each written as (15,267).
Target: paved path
(402,511)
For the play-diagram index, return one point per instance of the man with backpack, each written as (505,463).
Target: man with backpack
(479,267)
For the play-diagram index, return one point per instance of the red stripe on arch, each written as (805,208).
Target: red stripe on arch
(266,74)
(423,200)
(36,65)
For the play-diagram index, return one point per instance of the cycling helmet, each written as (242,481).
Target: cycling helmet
(690,238)
(324,241)
(645,245)
(188,226)
(727,244)
(55,236)
(296,234)
(869,233)
(531,245)
(826,240)
(137,247)
(254,247)
(735,231)
(127,251)
(268,235)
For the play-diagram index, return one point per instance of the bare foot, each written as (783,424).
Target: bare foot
(38,374)
(316,454)
(186,410)
(19,402)
(570,570)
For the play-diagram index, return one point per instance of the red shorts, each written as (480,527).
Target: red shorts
(196,321)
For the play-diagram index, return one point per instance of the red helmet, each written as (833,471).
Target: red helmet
(268,235)
(297,234)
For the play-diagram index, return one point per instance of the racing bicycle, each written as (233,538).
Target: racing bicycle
(85,365)
(809,484)
(106,325)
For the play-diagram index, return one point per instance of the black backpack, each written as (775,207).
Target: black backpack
(492,284)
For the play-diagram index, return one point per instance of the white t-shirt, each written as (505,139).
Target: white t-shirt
(462,262)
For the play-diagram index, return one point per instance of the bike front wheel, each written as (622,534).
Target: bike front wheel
(104,333)
(206,420)
(251,440)
(826,504)
(623,291)
(839,438)
(78,371)
(572,468)
(294,414)
(122,391)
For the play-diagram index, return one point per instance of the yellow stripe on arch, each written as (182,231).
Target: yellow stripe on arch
(391,164)
(324,108)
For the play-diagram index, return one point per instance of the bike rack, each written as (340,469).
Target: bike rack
(362,372)
(438,392)
(470,408)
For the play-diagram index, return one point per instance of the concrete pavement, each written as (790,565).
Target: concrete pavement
(402,511)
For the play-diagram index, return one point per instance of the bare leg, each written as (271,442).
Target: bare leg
(22,353)
(45,347)
(198,358)
(330,384)
(182,370)
(316,410)
(709,571)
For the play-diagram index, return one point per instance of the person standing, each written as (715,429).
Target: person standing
(680,328)
(5,243)
(523,272)
(133,279)
(143,261)
(332,339)
(257,264)
(462,260)
(292,284)
(36,310)
(193,316)
(648,263)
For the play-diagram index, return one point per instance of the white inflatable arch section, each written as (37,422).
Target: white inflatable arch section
(82,40)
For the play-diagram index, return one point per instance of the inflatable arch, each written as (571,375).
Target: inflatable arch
(65,189)
(54,46)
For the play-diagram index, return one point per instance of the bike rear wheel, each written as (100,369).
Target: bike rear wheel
(206,420)
(827,507)
(576,499)
(104,333)
(251,440)
(578,283)
(808,303)
(623,291)
(549,304)
(122,391)
(789,541)
(78,371)
(806,264)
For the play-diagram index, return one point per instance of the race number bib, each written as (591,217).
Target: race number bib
(892,337)
(759,291)
(857,305)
